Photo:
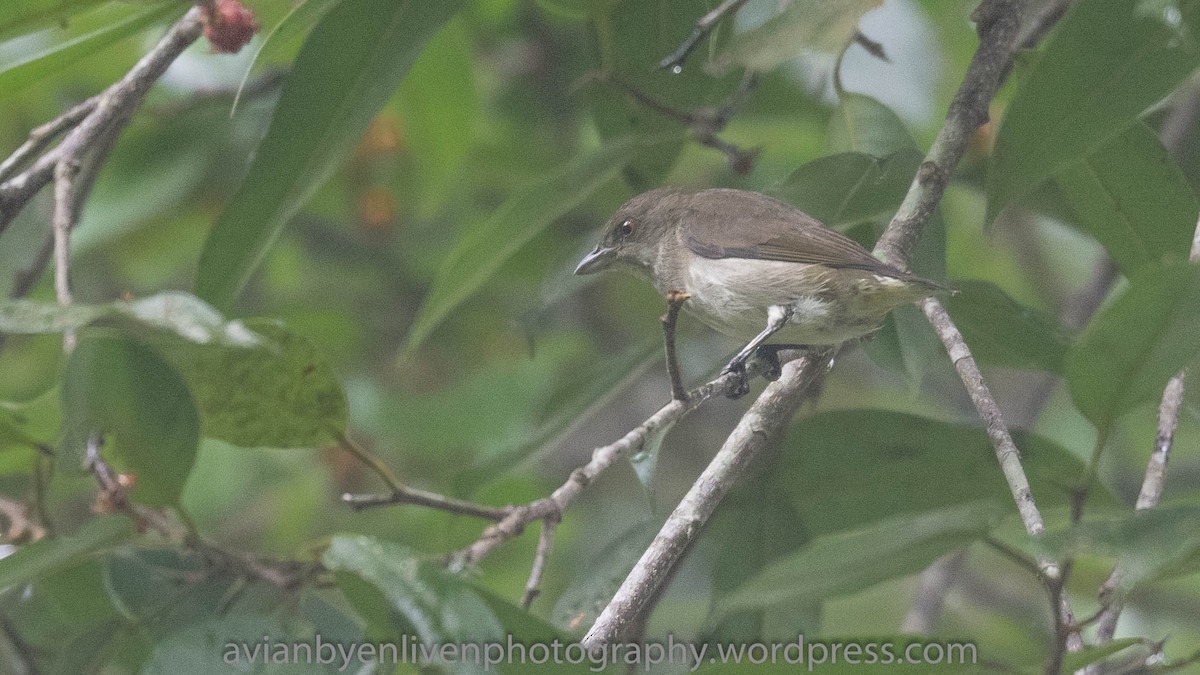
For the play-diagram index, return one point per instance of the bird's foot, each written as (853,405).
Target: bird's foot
(739,383)
(768,358)
(768,362)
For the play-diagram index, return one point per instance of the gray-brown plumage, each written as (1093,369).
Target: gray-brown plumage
(739,254)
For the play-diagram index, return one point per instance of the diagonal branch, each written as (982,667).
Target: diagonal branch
(761,424)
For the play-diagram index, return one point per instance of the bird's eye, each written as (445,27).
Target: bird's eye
(626,228)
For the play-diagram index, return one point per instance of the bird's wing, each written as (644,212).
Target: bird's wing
(781,232)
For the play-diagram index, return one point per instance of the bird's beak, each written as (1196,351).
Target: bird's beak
(601,257)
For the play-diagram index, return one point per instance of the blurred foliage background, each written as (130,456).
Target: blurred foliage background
(428,263)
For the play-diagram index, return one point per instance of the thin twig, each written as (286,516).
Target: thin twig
(44,135)
(64,220)
(533,587)
(704,26)
(113,497)
(997,22)
(403,494)
(1006,450)
(432,500)
(675,300)
(704,123)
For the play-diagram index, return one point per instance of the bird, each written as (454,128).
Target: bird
(754,268)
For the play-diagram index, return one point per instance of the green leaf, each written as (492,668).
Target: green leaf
(1132,197)
(831,456)
(249,643)
(255,383)
(755,525)
(281,394)
(31,424)
(126,392)
(802,25)
(645,460)
(349,67)
(87,35)
(840,564)
(49,555)
(1003,332)
(480,251)
(285,35)
(27,15)
(437,605)
(438,108)
(1105,63)
(863,124)
(1135,345)
(850,188)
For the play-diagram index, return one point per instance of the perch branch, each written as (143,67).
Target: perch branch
(769,415)
(41,137)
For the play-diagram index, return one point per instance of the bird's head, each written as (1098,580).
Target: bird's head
(637,232)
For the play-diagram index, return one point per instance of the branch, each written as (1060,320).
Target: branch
(113,108)
(998,23)
(762,423)
(113,497)
(403,494)
(544,547)
(513,524)
(1152,482)
(704,26)
(704,123)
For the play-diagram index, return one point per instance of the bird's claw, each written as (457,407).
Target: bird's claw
(769,363)
(739,383)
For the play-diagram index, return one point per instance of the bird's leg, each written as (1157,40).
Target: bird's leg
(769,354)
(675,300)
(777,317)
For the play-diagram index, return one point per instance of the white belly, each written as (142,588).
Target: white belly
(732,295)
